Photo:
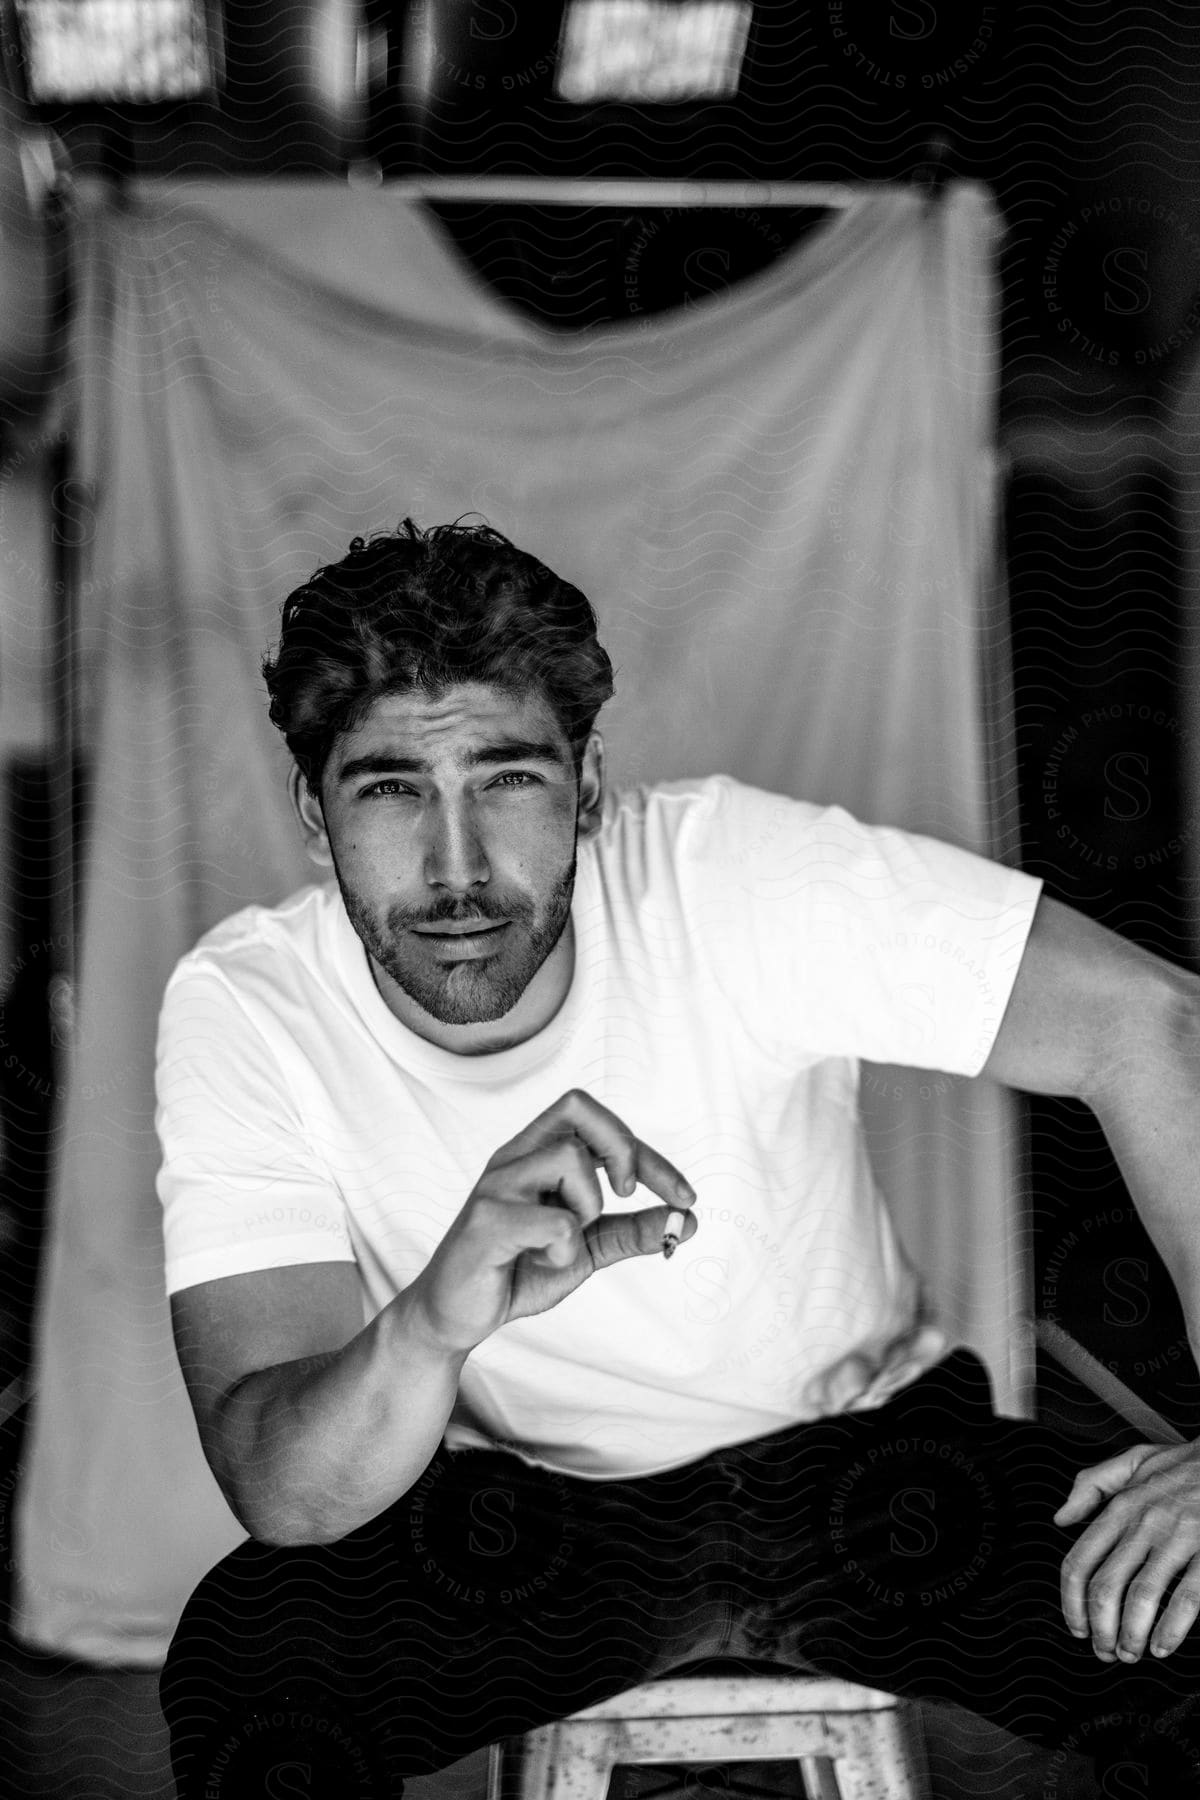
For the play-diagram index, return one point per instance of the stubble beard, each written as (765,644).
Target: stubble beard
(467,992)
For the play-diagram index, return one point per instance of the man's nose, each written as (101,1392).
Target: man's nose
(455,856)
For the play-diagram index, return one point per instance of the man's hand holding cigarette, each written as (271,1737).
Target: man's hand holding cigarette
(533,1227)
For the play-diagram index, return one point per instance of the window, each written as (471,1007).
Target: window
(664,50)
(112,50)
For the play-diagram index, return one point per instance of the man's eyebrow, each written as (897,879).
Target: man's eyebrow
(503,750)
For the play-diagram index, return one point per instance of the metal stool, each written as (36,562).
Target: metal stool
(852,1743)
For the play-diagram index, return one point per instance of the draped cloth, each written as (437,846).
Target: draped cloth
(781,502)
(1180,450)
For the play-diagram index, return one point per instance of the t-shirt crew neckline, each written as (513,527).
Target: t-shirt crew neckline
(417,1053)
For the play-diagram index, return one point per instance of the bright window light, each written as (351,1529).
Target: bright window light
(108,50)
(652,49)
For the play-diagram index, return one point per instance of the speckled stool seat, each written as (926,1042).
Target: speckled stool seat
(851,1742)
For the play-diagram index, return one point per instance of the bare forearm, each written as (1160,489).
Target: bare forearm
(310,1450)
(1149,1107)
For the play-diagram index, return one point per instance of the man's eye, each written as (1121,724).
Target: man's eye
(516,777)
(384,788)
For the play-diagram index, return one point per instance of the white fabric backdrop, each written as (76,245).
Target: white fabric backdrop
(1180,447)
(781,504)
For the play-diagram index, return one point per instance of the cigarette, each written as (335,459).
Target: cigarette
(672,1232)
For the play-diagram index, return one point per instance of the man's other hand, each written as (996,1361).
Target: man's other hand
(1117,1579)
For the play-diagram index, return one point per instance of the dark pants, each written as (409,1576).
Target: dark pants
(910,1548)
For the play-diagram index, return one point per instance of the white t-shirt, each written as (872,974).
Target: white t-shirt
(736,952)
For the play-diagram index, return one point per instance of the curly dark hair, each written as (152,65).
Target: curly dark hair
(419,611)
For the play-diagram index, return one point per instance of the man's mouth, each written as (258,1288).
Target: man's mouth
(461,928)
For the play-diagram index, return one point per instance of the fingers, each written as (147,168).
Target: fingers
(654,1171)
(1181,1613)
(562,1174)
(1129,1632)
(1100,1482)
(1125,1577)
(609,1142)
(615,1236)
(1125,1593)
(1115,1579)
(558,1178)
(1080,1564)
(552,1164)
(509,1227)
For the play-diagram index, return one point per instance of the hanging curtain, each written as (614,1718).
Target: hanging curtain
(1180,448)
(780,501)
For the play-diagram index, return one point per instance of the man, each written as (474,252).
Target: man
(498,1457)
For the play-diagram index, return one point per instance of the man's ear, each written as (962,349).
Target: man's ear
(591,787)
(307,808)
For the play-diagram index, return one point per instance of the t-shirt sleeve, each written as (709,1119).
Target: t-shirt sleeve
(241,1186)
(837,938)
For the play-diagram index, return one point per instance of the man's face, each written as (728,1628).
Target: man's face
(452,828)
